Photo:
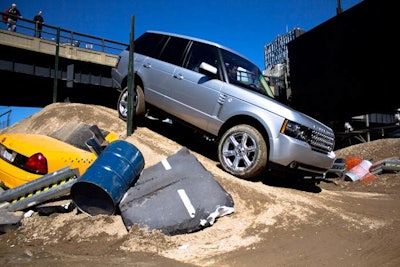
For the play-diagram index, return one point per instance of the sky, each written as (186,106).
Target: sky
(245,26)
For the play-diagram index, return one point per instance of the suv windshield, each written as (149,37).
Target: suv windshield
(245,74)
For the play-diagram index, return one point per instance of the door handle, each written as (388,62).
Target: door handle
(178,76)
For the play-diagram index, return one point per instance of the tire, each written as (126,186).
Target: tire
(243,152)
(122,105)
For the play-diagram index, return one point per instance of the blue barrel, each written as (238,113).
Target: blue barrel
(100,189)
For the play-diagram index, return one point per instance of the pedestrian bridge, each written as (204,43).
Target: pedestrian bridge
(60,66)
(66,50)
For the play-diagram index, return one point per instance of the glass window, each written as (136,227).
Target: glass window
(199,53)
(174,50)
(150,44)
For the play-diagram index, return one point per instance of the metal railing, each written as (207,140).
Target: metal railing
(5,119)
(49,32)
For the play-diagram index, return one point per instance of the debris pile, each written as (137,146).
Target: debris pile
(357,169)
(176,196)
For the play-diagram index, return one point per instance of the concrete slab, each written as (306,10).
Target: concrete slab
(10,220)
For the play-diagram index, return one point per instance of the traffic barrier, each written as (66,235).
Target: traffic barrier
(49,186)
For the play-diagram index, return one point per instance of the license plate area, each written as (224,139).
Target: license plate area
(9,156)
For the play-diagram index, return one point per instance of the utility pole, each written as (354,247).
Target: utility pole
(338,8)
(132,95)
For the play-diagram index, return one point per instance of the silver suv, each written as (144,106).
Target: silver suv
(224,95)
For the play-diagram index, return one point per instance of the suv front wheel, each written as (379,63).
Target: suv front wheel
(242,151)
(122,105)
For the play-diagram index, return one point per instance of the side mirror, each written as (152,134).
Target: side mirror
(208,70)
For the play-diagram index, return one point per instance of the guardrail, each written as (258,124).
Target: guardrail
(5,119)
(76,39)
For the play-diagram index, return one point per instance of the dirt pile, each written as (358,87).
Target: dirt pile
(276,222)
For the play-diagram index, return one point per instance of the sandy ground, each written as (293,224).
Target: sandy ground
(277,221)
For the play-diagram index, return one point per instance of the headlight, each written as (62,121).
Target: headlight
(320,139)
(296,131)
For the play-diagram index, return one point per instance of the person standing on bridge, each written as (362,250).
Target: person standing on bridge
(39,21)
(13,15)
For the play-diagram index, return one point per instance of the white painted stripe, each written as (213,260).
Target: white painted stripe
(166,165)
(186,201)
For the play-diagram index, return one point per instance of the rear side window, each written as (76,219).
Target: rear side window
(174,50)
(150,44)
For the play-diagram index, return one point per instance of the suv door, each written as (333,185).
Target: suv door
(193,95)
(158,70)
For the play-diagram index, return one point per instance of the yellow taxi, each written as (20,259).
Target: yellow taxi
(25,157)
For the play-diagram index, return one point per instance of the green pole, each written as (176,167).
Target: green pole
(131,82)
(55,84)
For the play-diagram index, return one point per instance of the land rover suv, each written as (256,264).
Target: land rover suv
(225,96)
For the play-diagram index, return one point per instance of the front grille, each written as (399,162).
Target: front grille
(322,140)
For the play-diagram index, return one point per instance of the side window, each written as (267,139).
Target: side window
(199,53)
(174,50)
(150,44)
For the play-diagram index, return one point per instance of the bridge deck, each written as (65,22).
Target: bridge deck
(66,50)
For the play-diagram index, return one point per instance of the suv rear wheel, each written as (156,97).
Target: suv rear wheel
(122,105)
(242,151)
